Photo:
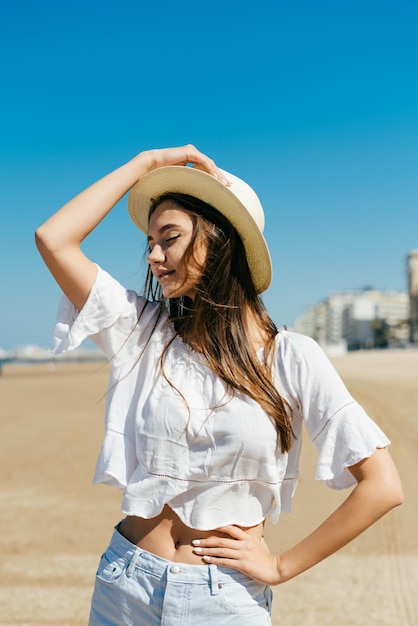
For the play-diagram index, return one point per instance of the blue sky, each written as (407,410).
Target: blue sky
(315,104)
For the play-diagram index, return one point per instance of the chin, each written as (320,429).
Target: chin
(178,293)
(172,293)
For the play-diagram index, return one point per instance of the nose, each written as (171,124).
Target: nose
(156,255)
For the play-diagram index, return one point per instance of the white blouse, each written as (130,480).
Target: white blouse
(212,458)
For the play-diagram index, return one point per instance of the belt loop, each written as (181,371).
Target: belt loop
(132,562)
(213,574)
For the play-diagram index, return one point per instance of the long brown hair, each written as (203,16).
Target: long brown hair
(218,322)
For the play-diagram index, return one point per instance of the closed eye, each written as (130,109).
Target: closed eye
(169,240)
(172,238)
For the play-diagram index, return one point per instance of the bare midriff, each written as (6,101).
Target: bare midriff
(168,537)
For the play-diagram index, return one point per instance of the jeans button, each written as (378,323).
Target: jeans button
(174,569)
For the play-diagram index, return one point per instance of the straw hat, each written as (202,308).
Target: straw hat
(238,203)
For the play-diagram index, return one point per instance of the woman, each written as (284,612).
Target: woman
(206,401)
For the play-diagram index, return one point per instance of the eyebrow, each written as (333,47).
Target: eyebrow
(163,229)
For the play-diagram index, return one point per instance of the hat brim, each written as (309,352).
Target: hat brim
(201,185)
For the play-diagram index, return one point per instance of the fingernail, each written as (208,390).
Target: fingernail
(196,542)
(206,558)
(197,550)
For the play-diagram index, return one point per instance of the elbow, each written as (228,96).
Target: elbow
(40,241)
(394,487)
(44,242)
(397,496)
(42,245)
(392,495)
(386,498)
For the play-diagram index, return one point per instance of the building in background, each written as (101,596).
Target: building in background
(412,267)
(359,319)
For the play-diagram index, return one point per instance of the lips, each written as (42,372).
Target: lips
(163,275)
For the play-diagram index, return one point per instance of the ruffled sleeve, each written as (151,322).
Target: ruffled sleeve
(338,426)
(108,315)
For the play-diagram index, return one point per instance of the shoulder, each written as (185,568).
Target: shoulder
(297,348)
(305,369)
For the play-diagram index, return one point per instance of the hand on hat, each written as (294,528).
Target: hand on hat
(184,155)
(60,237)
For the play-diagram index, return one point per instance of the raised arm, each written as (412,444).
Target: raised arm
(59,238)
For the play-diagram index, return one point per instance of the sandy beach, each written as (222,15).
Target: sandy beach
(55,524)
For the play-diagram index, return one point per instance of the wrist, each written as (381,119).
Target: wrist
(143,163)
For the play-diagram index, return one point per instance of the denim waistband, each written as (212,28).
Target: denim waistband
(147,561)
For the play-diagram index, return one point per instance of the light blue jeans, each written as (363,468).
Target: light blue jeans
(136,588)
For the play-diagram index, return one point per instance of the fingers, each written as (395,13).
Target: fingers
(210,545)
(217,553)
(239,551)
(215,548)
(188,154)
(236,540)
(233,531)
(221,553)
